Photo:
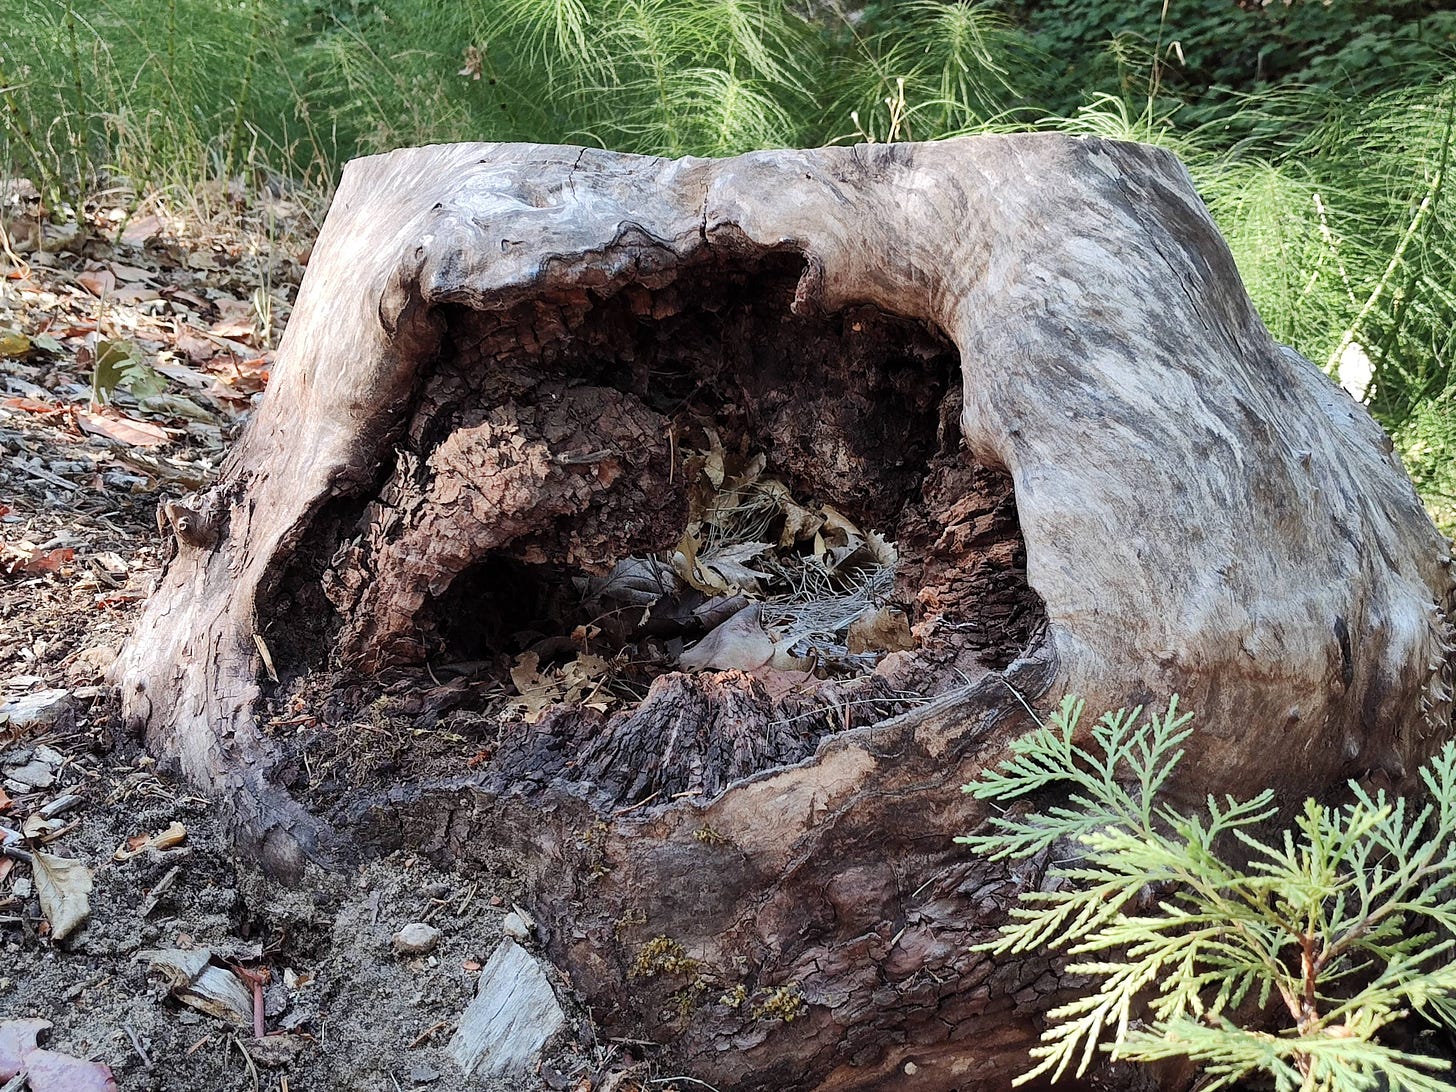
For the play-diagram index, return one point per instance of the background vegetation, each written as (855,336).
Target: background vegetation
(1319,131)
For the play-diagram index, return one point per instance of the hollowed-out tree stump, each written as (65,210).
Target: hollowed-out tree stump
(1029,360)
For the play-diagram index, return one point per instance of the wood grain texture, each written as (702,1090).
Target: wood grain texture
(1202,512)
(510,1020)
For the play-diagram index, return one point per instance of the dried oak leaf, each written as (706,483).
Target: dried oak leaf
(64,887)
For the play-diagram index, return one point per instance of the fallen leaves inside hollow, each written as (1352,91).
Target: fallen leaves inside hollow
(758,582)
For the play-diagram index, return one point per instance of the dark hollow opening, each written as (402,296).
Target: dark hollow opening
(554,442)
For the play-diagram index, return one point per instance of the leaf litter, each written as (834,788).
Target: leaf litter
(769,583)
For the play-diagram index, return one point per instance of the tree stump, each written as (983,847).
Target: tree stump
(1028,360)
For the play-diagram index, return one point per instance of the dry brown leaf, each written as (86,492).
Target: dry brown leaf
(49,1071)
(839,529)
(64,887)
(236,329)
(538,693)
(884,630)
(187,377)
(30,405)
(174,835)
(134,293)
(126,272)
(141,229)
(37,825)
(712,465)
(585,679)
(638,581)
(127,430)
(99,282)
(739,644)
(17,1039)
(799,522)
(24,559)
(731,564)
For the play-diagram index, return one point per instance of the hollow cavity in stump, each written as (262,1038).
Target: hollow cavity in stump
(825,552)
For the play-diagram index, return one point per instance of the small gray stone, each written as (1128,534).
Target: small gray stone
(516,927)
(417,938)
(36,709)
(423,1074)
(35,774)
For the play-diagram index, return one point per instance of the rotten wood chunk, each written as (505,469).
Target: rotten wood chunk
(513,1016)
(580,478)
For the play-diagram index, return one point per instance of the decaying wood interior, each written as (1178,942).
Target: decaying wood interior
(461,558)
(1026,361)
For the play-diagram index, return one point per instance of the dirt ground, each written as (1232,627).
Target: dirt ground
(79,547)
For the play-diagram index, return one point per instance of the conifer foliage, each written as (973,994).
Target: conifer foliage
(1195,927)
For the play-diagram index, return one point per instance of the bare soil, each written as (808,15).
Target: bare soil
(79,547)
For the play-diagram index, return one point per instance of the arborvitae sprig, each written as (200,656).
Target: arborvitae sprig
(1346,918)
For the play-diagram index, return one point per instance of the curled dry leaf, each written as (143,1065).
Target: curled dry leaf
(24,559)
(727,569)
(140,843)
(64,887)
(37,825)
(741,643)
(98,282)
(31,405)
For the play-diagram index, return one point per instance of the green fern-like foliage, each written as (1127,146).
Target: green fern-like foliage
(1187,923)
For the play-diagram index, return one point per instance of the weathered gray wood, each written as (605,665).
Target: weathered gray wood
(513,1016)
(1202,512)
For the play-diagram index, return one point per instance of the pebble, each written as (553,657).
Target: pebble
(33,775)
(275,1051)
(417,938)
(515,926)
(36,709)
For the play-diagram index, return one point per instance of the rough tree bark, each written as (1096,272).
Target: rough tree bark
(1030,358)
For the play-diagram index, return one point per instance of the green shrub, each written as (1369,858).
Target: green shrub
(1191,924)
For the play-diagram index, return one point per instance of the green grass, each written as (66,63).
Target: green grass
(1319,133)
